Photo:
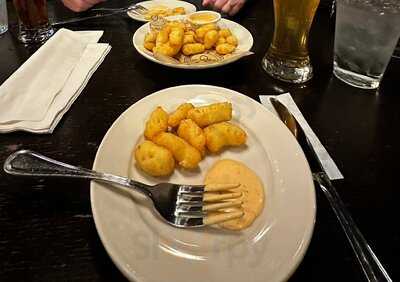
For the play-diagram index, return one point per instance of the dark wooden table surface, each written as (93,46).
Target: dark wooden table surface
(47,231)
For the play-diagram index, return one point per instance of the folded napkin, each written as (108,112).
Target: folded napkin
(36,96)
(327,163)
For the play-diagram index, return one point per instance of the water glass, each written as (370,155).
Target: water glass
(34,26)
(3,16)
(366,35)
(396,53)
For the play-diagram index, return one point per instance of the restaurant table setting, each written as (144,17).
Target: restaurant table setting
(255,147)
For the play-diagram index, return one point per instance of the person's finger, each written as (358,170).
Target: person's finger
(227,7)
(91,3)
(219,4)
(80,5)
(236,8)
(207,2)
(75,5)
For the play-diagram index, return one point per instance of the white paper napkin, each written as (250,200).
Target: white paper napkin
(327,162)
(36,96)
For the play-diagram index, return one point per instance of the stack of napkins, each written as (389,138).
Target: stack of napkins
(325,159)
(36,96)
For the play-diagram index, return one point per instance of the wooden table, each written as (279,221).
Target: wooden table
(47,231)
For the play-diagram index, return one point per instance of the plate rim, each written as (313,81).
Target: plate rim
(309,230)
(189,67)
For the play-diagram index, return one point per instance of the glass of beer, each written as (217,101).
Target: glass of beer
(287,58)
(34,26)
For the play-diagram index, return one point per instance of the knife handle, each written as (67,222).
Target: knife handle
(370,264)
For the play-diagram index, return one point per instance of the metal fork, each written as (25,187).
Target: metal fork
(183,206)
(104,12)
(133,8)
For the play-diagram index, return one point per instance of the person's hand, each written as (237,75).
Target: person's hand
(230,7)
(80,5)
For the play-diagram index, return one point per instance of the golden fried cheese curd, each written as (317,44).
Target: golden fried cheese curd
(158,122)
(193,134)
(185,154)
(225,48)
(223,134)
(179,114)
(210,114)
(153,159)
(192,49)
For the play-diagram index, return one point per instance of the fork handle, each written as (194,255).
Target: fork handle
(98,14)
(370,264)
(29,163)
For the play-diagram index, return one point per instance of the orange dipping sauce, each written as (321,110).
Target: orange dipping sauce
(200,18)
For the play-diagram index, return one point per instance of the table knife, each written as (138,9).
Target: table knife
(370,264)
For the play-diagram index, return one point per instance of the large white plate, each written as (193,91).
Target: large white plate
(146,249)
(245,42)
(189,8)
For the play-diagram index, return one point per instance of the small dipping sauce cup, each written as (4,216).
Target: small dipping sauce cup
(204,17)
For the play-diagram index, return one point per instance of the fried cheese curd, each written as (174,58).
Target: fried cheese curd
(185,154)
(153,159)
(193,134)
(158,122)
(178,37)
(186,133)
(179,114)
(214,113)
(223,134)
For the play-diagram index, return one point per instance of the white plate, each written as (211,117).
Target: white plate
(146,249)
(189,8)
(245,42)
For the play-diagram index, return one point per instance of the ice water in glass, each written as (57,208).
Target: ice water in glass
(3,17)
(366,34)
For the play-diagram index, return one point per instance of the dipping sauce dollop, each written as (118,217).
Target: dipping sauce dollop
(230,171)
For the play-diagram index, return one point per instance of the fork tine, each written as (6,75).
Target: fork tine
(135,12)
(218,218)
(190,203)
(185,198)
(138,10)
(190,214)
(217,206)
(141,9)
(191,189)
(213,197)
(220,187)
(190,207)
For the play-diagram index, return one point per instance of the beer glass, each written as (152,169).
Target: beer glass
(287,58)
(33,20)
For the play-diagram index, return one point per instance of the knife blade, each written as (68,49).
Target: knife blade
(369,262)
(292,124)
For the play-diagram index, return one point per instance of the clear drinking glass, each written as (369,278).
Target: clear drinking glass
(366,35)
(3,16)
(287,58)
(34,23)
(396,53)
